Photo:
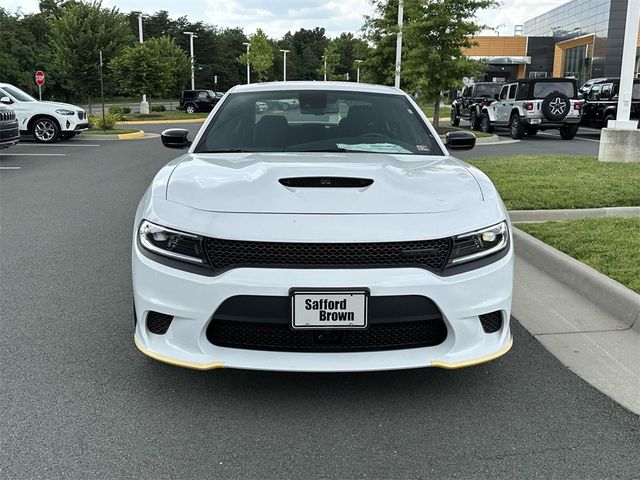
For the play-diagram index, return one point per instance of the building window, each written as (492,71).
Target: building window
(538,74)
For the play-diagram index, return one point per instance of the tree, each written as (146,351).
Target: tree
(331,59)
(434,33)
(157,67)
(78,34)
(260,55)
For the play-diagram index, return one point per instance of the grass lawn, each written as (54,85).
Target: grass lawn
(610,245)
(168,115)
(529,182)
(114,131)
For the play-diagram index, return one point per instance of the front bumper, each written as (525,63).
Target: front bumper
(192,299)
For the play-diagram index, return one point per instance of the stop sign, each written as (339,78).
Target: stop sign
(39,78)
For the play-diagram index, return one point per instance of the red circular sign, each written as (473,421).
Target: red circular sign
(39,78)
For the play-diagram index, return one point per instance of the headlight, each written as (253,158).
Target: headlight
(171,243)
(65,112)
(478,244)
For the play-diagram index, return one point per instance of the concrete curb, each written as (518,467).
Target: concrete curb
(522,216)
(130,136)
(161,122)
(614,298)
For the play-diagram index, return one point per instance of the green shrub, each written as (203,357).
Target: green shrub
(158,108)
(108,124)
(125,110)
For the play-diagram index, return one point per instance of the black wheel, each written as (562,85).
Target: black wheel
(517,128)
(475,120)
(605,122)
(532,130)
(568,132)
(485,123)
(45,130)
(190,108)
(455,119)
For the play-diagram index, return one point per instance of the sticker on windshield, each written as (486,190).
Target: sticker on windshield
(373,147)
(423,148)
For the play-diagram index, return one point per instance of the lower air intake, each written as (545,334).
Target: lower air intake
(158,323)
(491,322)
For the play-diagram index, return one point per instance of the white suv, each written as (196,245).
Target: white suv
(46,121)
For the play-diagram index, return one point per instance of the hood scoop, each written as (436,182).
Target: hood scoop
(326,182)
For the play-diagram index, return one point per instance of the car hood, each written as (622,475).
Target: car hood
(250,183)
(55,105)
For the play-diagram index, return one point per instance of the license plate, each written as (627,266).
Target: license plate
(332,309)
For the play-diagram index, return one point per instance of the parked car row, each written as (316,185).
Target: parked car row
(46,121)
(530,105)
(9,131)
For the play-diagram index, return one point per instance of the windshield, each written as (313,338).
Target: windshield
(18,94)
(542,89)
(318,121)
(488,90)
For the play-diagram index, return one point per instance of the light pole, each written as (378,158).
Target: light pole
(399,42)
(284,69)
(358,62)
(144,105)
(324,57)
(248,45)
(192,35)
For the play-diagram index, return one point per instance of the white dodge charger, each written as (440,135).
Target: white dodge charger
(334,235)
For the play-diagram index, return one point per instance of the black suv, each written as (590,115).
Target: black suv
(199,100)
(468,105)
(9,131)
(601,101)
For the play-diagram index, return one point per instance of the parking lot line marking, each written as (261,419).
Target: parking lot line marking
(10,168)
(574,138)
(33,154)
(64,145)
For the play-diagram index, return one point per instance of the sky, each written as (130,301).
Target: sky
(276,17)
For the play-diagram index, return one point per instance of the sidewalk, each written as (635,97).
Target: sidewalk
(524,216)
(587,320)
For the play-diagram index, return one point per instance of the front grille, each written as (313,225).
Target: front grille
(81,115)
(263,323)
(11,132)
(326,182)
(226,254)
(158,323)
(7,116)
(491,322)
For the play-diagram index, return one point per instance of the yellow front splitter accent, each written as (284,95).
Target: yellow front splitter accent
(474,361)
(177,363)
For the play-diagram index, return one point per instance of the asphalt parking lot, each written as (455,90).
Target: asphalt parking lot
(77,399)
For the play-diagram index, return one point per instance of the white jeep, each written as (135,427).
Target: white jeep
(46,121)
(533,104)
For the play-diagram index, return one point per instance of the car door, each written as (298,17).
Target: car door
(501,106)
(593,109)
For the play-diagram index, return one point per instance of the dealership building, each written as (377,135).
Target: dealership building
(581,39)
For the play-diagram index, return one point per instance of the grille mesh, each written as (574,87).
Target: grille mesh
(491,322)
(429,254)
(270,336)
(158,323)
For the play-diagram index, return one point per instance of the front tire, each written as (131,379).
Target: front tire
(475,121)
(190,108)
(568,132)
(485,123)
(45,130)
(605,122)
(517,128)
(455,120)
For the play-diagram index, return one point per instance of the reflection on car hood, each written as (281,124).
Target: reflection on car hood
(67,106)
(249,183)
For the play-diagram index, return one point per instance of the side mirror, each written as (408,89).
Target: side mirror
(175,138)
(460,140)
(6,100)
(496,96)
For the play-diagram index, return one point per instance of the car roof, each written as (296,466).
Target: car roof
(310,85)
(546,79)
